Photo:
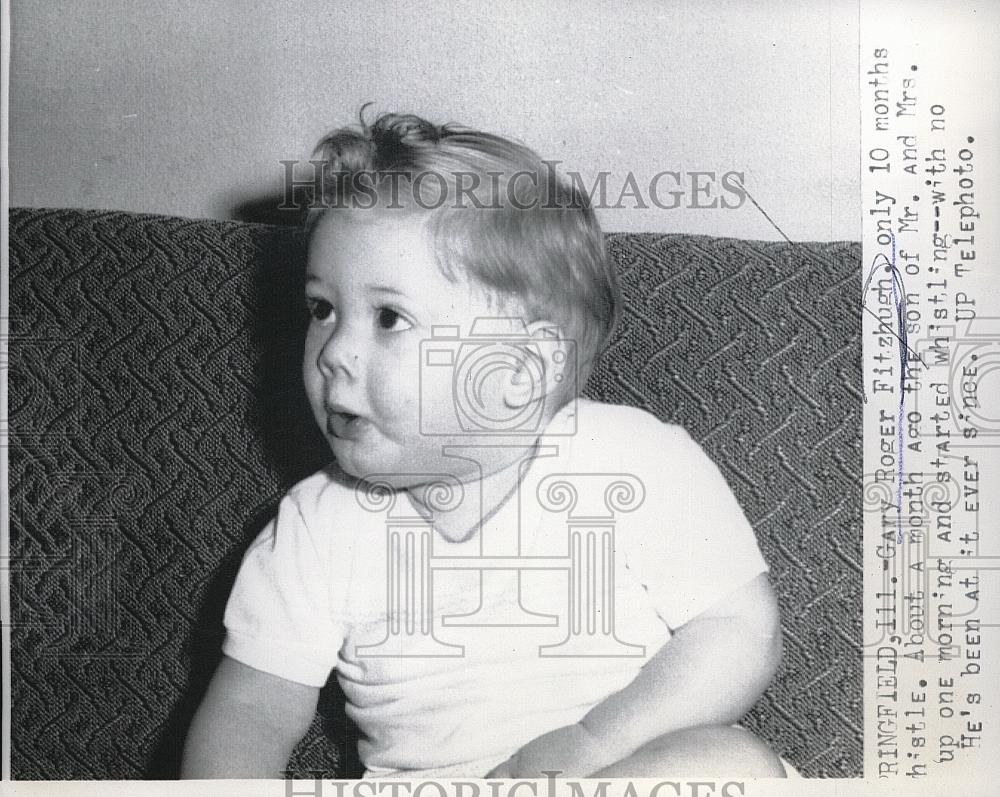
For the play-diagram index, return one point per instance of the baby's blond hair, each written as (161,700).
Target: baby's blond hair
(498,214)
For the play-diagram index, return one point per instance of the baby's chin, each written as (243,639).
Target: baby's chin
(357,461)
(364,461)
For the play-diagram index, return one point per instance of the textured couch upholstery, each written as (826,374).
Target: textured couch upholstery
(157,417)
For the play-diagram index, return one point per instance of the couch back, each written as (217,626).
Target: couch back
(157,417)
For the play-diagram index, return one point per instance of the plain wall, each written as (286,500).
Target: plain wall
(187,107)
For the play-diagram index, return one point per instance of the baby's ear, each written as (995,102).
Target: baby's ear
(546,367)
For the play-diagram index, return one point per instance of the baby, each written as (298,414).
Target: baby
(507,579)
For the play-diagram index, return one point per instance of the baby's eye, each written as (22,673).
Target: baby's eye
(320,310)
(391,321)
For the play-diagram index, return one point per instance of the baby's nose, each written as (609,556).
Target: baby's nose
(340,353)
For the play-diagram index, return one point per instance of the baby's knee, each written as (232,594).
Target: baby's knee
(717,750)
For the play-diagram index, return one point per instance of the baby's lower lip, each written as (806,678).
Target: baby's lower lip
(344,425)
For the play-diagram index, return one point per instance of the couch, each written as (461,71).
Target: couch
(156,417)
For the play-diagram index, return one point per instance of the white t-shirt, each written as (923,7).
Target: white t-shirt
(599,586)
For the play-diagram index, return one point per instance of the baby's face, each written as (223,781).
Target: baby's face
(374,289)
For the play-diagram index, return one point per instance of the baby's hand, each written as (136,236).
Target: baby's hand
(569,751)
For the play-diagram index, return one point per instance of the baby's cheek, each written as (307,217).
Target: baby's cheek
(310,368)
(313,383)
(397,395)
(398,418)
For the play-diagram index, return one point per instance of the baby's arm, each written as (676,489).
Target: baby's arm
(710,673)
(247,725)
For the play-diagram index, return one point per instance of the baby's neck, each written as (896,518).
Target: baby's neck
(496,488)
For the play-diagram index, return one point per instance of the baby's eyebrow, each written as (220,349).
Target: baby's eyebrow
(378,288)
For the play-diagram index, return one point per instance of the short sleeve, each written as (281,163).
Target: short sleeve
(278,618)
(694,545)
